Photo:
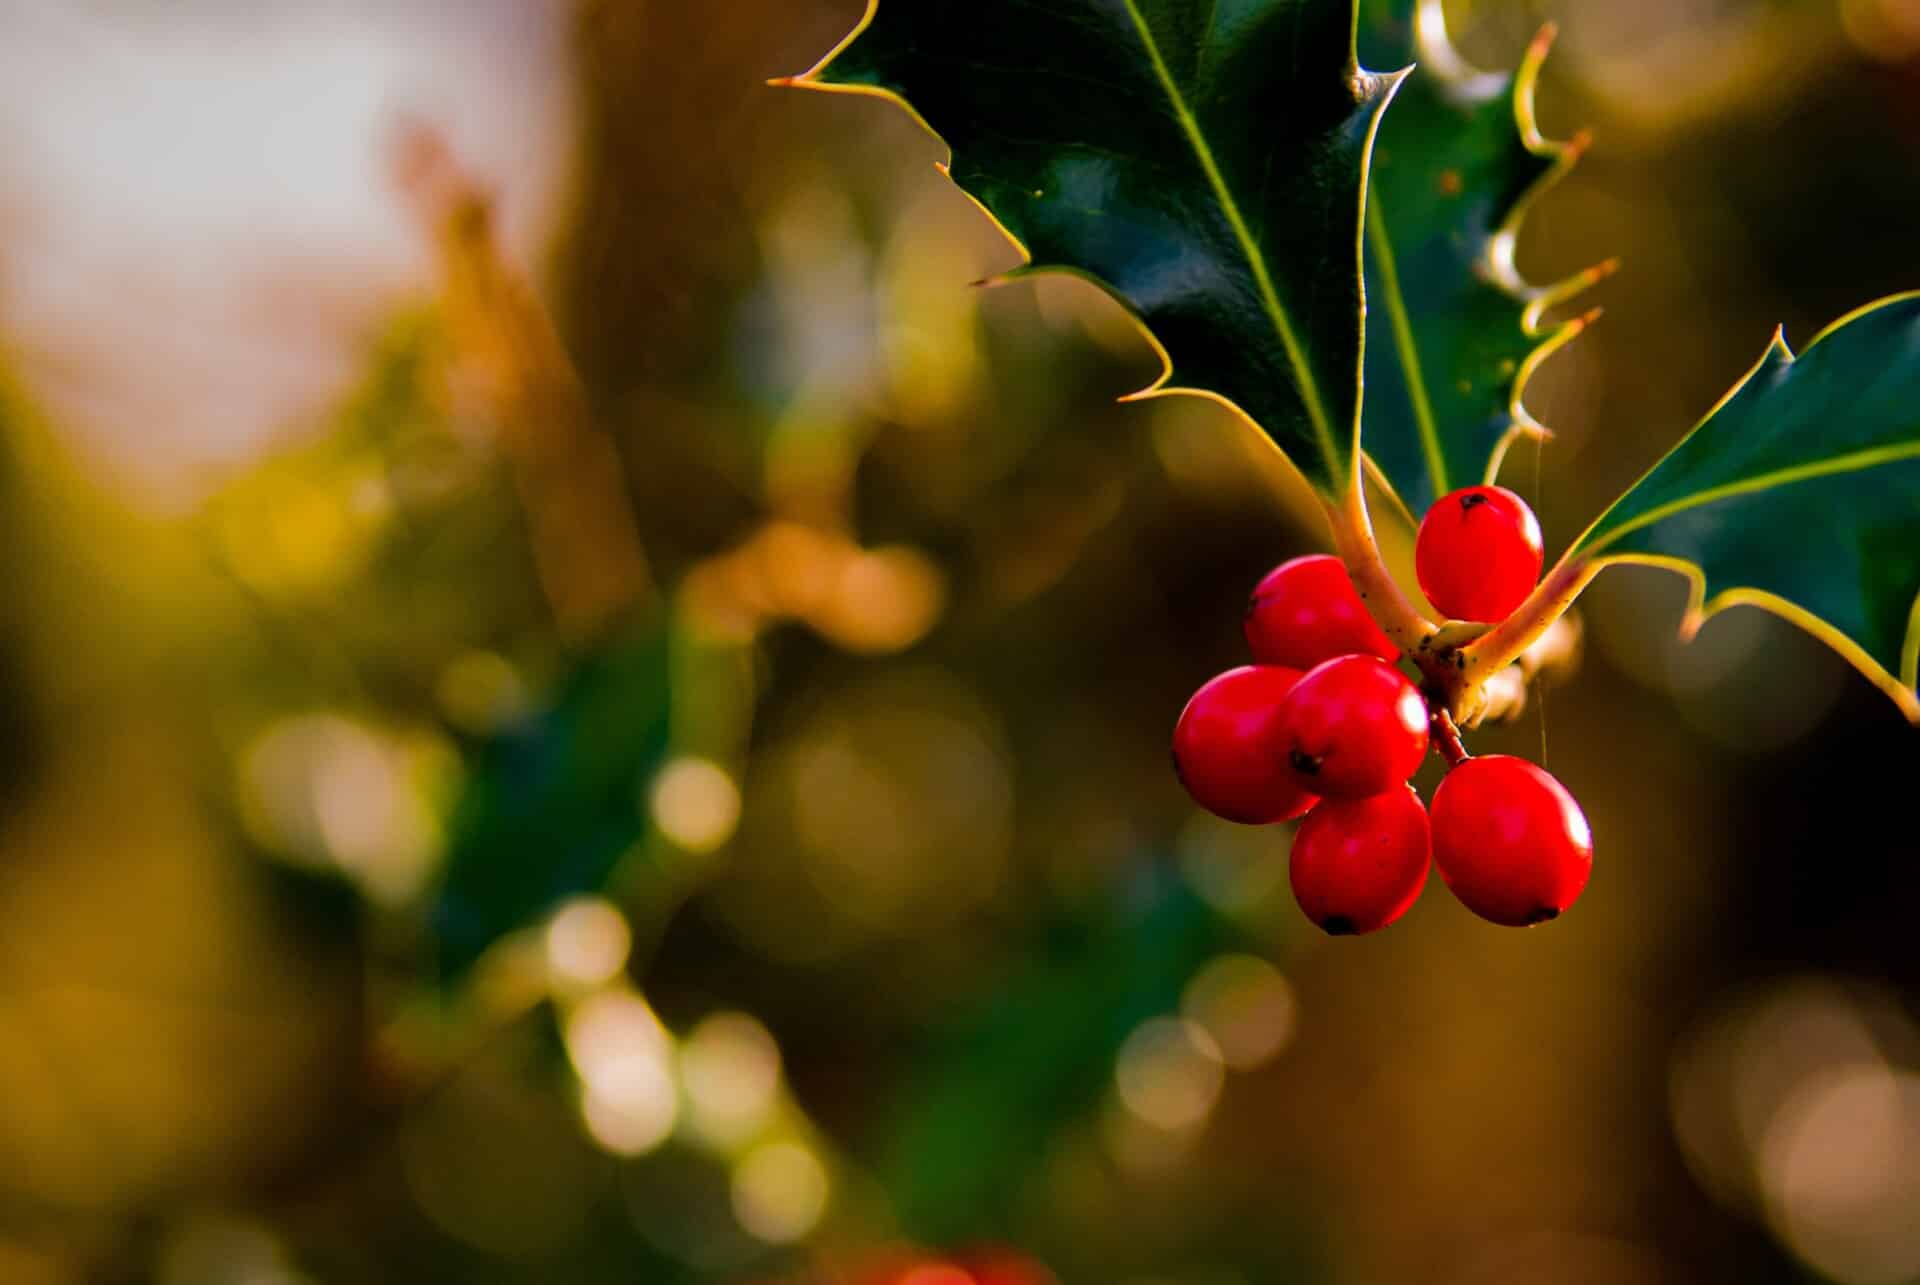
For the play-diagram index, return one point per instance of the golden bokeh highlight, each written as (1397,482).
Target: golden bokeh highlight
(328,790)
(730,1067)
(1170,1073)
(587,943)
(1840,1166)
(780,1191)
(1246,1006)
(1800,1102)
(629,1094)
(695,804)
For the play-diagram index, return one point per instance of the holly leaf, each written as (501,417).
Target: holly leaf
(1202,161)
(1800,493)
(1453,331)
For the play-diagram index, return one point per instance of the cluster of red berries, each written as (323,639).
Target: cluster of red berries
(1323,725)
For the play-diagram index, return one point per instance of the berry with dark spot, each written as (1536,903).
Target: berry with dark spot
(1306,610)
(1227,748)
(1358,864)
(1510,841)
(1478,554)
(1353,726)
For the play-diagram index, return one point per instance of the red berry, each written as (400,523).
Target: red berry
(1307,611)
(1227,750)
(1359,863)
(1510,841)
(1478,553)
(1353,726)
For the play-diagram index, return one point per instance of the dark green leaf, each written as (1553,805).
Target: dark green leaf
(1203,162)
(552,804)
(1452,330)
(1800,493)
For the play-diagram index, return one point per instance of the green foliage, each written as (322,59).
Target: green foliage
(996,1091)
(1452,330)
(553,803)
(1800,493)
(1114,141)
(1203,163)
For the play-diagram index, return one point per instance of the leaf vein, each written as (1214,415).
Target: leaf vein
(1408,348)
(1852,462)
(1256,261)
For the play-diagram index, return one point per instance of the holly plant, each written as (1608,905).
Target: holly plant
(1306,201)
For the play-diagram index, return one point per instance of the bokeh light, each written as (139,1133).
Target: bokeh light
(327,790)
(695,804)
(1245,1005)
(780,1191)
(1841,1168)
(1801,1102)
(731,1069)
(216,1250)
(624,1056)
(587,943)
(1169,1073)
(1235,867)
(1885,30)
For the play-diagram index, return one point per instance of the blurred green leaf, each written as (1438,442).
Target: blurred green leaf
(1800,493)
(554,802)
(1452,330)
(1002,1083)
(1204,167)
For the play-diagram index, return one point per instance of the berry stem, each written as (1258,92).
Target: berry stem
(1446,738)
(1507,641)
(1457,659)
(1353,540)
(1548,660)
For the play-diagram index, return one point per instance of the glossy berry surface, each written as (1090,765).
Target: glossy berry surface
(1478,553)
(1306,610)
(1510,841)
(1353,726)
(1359,863)
(1227,747)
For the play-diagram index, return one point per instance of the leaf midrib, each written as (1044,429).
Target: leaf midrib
(1853,462)
(1269,296)
(1408,349)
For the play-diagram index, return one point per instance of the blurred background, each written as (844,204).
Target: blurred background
(577,707)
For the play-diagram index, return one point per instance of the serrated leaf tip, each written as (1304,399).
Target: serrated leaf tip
(1464,433)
